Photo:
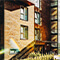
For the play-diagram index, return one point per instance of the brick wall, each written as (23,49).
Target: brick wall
(12,24)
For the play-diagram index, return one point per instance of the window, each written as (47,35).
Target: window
(14,51)
(36,2)
(24,13)
(37,34)
(54,3)
(24,32)
(54,27)
(54,13)
(37,18)
(54,38)
(54,45)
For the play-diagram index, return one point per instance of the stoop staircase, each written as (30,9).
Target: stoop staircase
(24,52)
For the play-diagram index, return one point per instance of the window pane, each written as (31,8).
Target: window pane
(36,21)
(37,3)
(37,18)
(35,15)
(22,36)
(21,29)
(26,33)
(14,51)
(25,11)
(22,16)
(22,10)
(37,34)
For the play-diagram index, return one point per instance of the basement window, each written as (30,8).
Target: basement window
(37,34)
(14,51)
(37,18)
(24,32)
(24,13)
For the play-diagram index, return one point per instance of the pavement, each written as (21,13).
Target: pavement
(57,56)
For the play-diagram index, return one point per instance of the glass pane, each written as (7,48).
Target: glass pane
(36,21)
(22,36)
(35,15)
(26,32)
(21,29)
(25,11)
(37,34)
(38,18)
(13,51)
(37,3)
(22,16)
(22,10)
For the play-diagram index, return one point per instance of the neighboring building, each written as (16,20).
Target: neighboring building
(58,26)
(54,25)
(28,27)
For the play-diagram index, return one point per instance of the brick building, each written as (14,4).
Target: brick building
(29,26)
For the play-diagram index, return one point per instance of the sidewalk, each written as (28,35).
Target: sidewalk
(57,56)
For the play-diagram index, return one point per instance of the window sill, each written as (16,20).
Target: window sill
(23,39)
(23,19)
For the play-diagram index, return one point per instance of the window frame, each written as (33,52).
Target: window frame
(21,33)
(23,13)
